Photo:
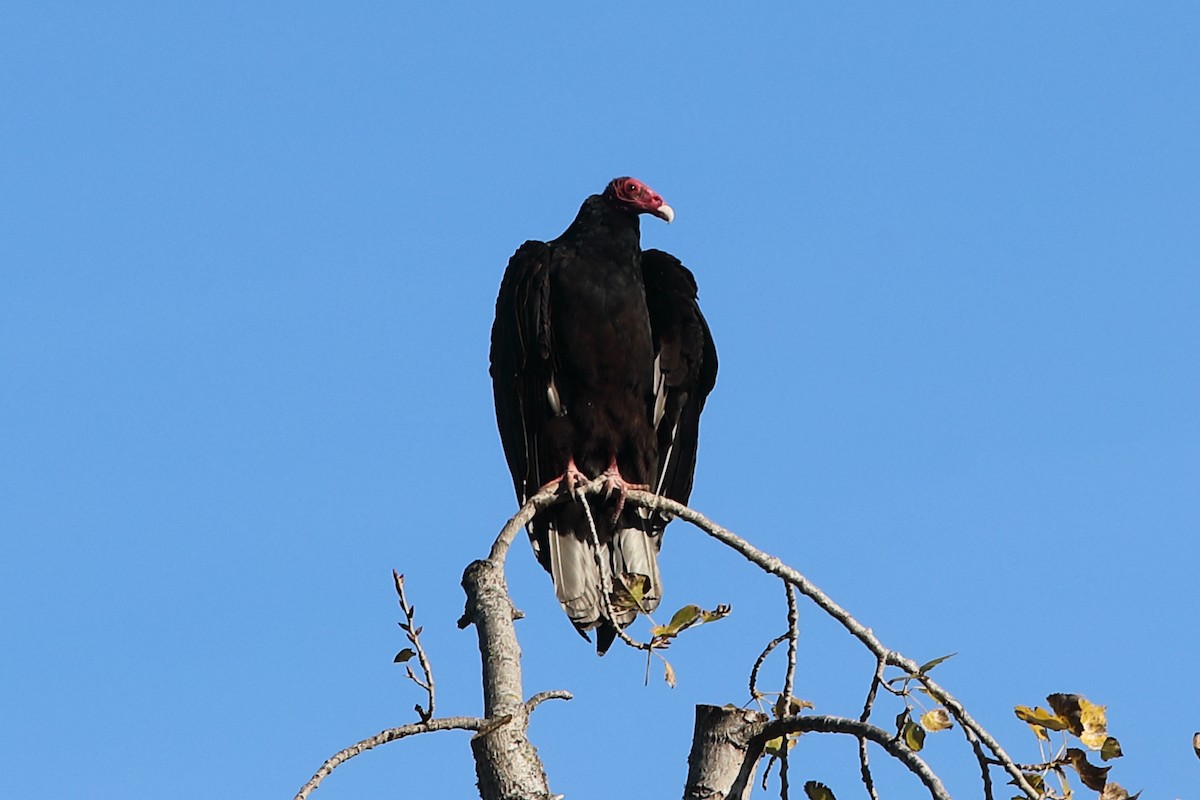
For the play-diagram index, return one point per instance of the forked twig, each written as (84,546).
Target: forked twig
(414,636)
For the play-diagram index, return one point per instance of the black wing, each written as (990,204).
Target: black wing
(686,372)
(520,362)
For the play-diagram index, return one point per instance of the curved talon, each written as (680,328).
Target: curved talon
(613,482)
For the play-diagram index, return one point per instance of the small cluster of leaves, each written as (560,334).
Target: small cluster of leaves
(913,732)
(629,594)
(1074,715)
(777,748)
(683,619)
(785,706)
(932,720)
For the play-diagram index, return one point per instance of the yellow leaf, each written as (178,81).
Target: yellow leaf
(1041,717)
(1094,724)
(1033,779)
(914,736)
(668,673)
(787,706)
(936,720)
(1084,718)
(774,747)
(629,589)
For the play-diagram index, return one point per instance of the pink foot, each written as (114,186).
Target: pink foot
(613,482)
(571,476)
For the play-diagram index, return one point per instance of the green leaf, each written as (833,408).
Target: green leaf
(685,618)
(404,655)
(914,736)
(818,791)
(928,665)
(688,615)
(1110,749)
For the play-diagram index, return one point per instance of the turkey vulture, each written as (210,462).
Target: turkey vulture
(601,362)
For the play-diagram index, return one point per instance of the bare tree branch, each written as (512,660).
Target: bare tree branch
(758,662)
(793,635)
(983,763)
(390,735)
(818,723)
(506,763)
(541,697)
(863,758)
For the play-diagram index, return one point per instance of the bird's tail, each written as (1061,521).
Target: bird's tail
(628,549)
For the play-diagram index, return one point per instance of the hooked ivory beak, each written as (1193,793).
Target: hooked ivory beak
(664,212)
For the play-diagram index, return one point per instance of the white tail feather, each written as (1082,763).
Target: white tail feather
(577,579)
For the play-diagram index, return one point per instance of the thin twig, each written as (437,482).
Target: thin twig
(783,771)
(984,770)
(1045,767)
(390,735)
(414,636)
(876,682)
(863,730)
(754,693)
(793,635)
(541,697)
(863,758)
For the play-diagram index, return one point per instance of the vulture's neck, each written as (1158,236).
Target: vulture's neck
(605,230)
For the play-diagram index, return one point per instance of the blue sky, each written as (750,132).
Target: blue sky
(250,253)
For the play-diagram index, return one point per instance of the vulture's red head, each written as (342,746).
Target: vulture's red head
(638,198)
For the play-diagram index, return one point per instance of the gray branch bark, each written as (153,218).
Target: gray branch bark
(506,762)
(724,757)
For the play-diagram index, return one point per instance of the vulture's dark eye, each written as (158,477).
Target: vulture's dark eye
(631,187)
